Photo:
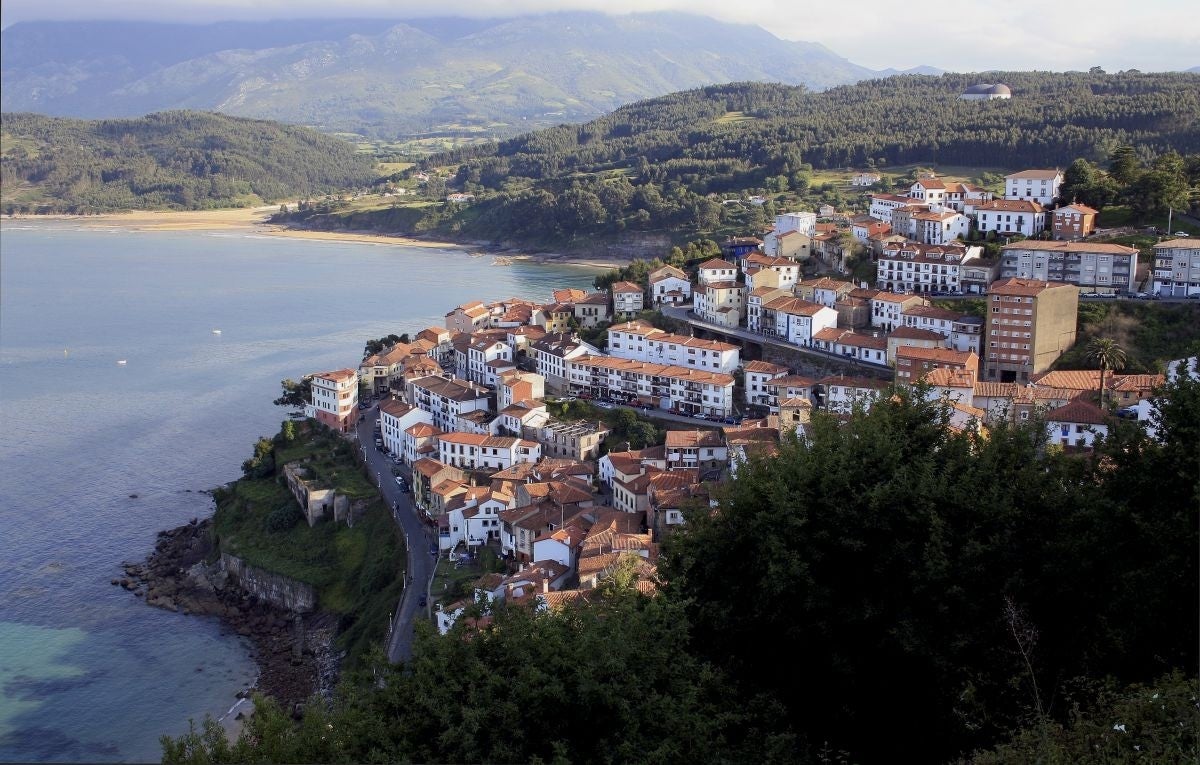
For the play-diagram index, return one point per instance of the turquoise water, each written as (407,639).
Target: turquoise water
(87,672)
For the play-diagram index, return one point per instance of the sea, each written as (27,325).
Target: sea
(121,404)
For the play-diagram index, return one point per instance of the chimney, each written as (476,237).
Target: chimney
(545,584)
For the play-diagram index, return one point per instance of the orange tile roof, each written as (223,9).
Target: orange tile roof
(942,355)
(1071,247)
(689,439)
(1078,411)
(1015,286)
(764,367)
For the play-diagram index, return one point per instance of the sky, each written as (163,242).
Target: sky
(962,35)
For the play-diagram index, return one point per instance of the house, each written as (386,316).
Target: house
(1007,217)
(757,374)
(851,344)
(796,320)
(613,536)
(446,398)
(395,417)
(593,310)
(1177,267)
(519,415)
(912,337)
(977,273)
(667,506)
(1076,425)
(793,245)
(721,303)
(578,440)
(472,518)
(669,286)
(703,450)
(941,226)
(472,451)
(426,474)
(627,465)
(551,354)
(803,222)
(736,248)
(923,268)
(787,270)
(627,299)
(640,341)
(334,399)
(912,362)
(1018,402)
(755,300)
(481,353)
(716,270)
(865,179)
(928,189)
(418,441)
(681,389)
(962,332)
(1106,269)
(514,386)
(1122,390)
(553,318)
(825,291)
(863,230)
(887,309)
(469,317)
(882,205)
(1030,323)
(960,195)
(841,394)
(1040,186)
(1074,221)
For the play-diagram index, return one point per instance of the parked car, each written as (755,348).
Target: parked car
(604,405)
(424,601)
(400,482)
(1194,296)
(1182,233)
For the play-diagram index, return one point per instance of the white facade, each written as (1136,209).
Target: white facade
(1039,186)
(883,204)
(479,353)
(941,227)
(641,342)
(804,222)
(446,399)
(1011,217)
(470,451)
(394,419)
(915,267)
(690,391)
(841,396)
(334,398)
(1104,268)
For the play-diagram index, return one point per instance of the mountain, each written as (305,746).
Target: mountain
(181,160)
(388,78)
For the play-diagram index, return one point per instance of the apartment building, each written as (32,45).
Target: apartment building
(334,399)
(1177,268)
(681,389)
(641,341)
(1102,268)
(1030,323)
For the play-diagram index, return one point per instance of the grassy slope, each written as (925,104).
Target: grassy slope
(358,572)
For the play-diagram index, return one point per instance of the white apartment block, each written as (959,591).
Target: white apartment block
(916,267)
(1039,186)
(804,222)
(757,376)
(395,417)
(941,226)
(882,205)
(796,320)
(481,357)
(665,386)
(639,341)
(553,352)
(1103,268)
(843,394)
(1177,268)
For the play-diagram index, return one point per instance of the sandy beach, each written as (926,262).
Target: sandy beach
(254,220)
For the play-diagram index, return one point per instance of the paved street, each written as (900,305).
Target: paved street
(419,538)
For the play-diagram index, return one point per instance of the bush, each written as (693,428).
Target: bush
(283,518)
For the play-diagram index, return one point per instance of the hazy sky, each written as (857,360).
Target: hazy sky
(961,35)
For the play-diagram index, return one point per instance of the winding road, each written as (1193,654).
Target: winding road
(419,539)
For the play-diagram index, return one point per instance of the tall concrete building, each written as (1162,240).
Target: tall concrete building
(1030,323)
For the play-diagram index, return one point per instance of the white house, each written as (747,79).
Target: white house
(842,394)
(941,226)
(1006,216)
(446,398)
(670,286)
(804,222)
(757,376)
(847,342)
(552,353)
(1039,186)
(930,190)
(480,355)
(916,267)
(787,269)
(1076,425)
(865,179)
(682,389)
(472,451)
(395,417)
(627,298)
(796,320)
(882,205)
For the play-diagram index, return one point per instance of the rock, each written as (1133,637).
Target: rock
(199,669)
(127,584)
(133,496)
(239,716)
(115,582)
(137,593)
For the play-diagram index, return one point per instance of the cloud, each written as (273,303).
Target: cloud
(968,35)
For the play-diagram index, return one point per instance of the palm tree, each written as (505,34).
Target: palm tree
(1105,352)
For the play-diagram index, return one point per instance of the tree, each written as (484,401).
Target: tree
(295,394)
(1105,352)
(1123,165)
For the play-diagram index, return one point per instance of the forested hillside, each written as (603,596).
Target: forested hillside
(889,589)
(666,163)
(178,160)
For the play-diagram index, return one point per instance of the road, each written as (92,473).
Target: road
(419,538)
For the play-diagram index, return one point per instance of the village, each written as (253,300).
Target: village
(477,415)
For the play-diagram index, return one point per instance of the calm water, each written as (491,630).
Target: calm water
(87,672)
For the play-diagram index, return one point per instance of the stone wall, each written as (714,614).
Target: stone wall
(281,591)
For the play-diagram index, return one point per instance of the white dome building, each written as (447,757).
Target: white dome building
(986,92)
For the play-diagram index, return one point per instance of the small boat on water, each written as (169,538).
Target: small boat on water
(216,331)
(121,362)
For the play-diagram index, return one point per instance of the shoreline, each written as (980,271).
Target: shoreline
(293,663)
(253,220)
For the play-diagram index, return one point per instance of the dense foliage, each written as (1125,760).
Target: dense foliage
(889,590)
(670,163)
(177,160)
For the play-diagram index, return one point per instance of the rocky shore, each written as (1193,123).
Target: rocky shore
(294,653)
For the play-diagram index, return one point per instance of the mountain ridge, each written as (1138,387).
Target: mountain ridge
(393,78)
